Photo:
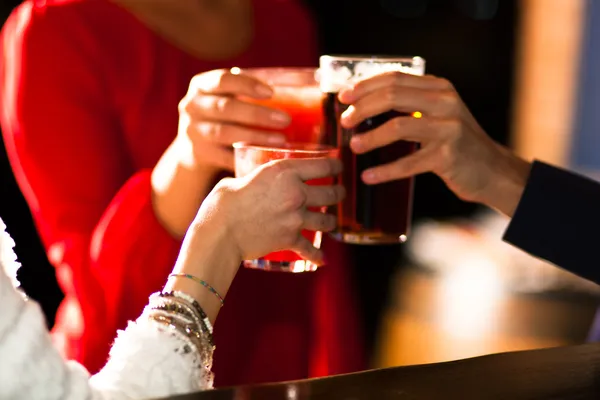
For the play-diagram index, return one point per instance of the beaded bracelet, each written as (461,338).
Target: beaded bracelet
(203,283)
(174,303)
(189,299)
(183,323)
(182,308)
(193,339)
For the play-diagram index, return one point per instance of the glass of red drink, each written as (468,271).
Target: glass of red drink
(247,158)
(378,214)
(295,91)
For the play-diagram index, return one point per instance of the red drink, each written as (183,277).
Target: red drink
(249,157)
(296,92)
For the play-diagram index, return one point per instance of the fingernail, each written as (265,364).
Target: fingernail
(356,144)
(346,118)
(280,117)
(263,90)
(369,176)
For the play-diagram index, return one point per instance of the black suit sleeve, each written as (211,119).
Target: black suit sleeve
(558,219)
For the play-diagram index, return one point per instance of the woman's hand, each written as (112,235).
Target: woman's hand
(212,116)
(249,217)
(453,145)
(267,210)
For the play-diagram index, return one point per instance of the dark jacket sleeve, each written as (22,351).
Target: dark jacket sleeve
(558,219)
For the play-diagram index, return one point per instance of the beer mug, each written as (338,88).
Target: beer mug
(370,214)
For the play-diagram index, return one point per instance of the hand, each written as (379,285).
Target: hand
(249,217)
(212,116)
(453,145)
(266,210)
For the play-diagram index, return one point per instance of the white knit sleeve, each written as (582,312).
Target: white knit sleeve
(30,367)
(146,359)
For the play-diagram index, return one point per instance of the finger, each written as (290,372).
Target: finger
(411,165)
(393,78)
(319,196)
(401,128)
(319,221)
(313,168)
(225,82)
(231,109)
(306,250)
(218,156)
(443,104)
(227,134)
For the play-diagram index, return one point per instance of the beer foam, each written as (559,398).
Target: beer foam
(335,78)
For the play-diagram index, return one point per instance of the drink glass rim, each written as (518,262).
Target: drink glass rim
(275,69)
(371,58)
(293,77)
(291,147)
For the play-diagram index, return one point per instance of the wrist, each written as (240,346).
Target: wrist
(507,182)
(207,254)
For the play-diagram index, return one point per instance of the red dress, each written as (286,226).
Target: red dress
(89,103)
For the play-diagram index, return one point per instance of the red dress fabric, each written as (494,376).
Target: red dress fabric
(89,102)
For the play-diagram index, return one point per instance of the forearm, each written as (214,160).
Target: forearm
(214,259)
(179,187)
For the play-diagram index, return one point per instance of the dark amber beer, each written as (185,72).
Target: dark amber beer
(370,214)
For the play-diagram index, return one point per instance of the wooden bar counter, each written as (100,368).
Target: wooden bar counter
(557,373)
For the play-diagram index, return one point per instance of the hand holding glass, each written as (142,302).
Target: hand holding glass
(370,214)
(249,157)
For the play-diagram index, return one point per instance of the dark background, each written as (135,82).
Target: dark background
(476,55)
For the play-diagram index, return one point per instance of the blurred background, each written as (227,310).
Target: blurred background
(530,76)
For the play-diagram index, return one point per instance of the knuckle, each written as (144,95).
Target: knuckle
(397,124)
(295,222)
(224,105)
(215,132)
(185,105)
(281,168)
(449,100)
(297,199)
(222,78)
(445,84)
(195,83)
(331,194)
(398,77)
(390,95)
(190,131)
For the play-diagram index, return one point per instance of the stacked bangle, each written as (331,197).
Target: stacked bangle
(201,282)
(175,310)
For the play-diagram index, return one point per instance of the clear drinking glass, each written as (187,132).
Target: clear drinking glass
(377,214)
(297,92)
(247,158)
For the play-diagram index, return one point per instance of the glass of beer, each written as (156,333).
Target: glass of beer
(247,158)
(295,91)
(370,214)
